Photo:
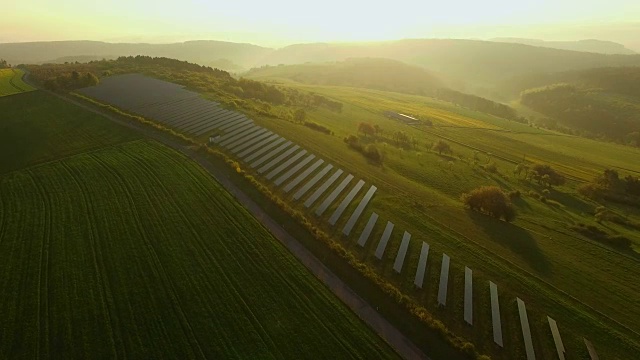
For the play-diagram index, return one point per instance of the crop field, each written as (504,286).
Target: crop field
(11,82)
(587,287)
(36,127)
(132,250)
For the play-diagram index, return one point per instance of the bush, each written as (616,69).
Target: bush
(547,173)
(491,167)
(597,234)
(515,194)
(373,153)
(490,200)
(318,127)
(442,147)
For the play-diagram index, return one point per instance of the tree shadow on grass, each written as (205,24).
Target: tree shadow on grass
(515,238)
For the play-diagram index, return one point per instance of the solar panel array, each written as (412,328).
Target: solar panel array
(278,158)
(170,104)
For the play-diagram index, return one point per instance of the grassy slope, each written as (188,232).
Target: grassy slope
(538,259)
(11,82)
(132,250)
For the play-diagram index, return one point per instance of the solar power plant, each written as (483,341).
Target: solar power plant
(402,252)
(358,211)
(312,182)
(248,137)
(234,124)
(286,164)
(244,145)
(526,331)
(197,123)
(468,295)
(422,265)
(444,280)
(278,159)
(118,90)
(592,351)
(239,132)
(364,236)
(334,194)
(215,117)
(159,109)
(179,111)
(229,120)
(238,129)
(345,202)
(204,129)
(294,170)
(556,338)
(274,139)
(384,240)
(271,154)
(495,314)
(322,188)
(260,148)
(303,176)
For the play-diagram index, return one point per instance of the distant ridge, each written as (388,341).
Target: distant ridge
(589,45)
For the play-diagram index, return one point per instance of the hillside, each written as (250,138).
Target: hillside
(232,55)
(603,102)
(470,65)
(381,74)
(590,45)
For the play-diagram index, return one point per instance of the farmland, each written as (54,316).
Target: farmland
(11,82)
(586,286)
(129,249)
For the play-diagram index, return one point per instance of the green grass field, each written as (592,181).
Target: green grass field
(588,288)
(11,82)
(128,249)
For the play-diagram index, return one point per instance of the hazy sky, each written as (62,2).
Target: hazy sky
(281,22)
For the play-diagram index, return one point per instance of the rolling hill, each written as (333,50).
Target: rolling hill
(380,74)
(590,45)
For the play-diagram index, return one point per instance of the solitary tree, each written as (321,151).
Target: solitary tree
(442,147)
(490,200)
(299,115)
(3,64)
(366,129)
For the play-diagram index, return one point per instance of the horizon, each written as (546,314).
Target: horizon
(283,22)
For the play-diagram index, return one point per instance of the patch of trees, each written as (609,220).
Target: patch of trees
(370,151)
(3,64)
(71,81)
(610,186)
(490,200)
(479,104)
(318,127)
(594,233)
(585,110)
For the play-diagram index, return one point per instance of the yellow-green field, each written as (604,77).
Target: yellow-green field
(586,286)
(11,82)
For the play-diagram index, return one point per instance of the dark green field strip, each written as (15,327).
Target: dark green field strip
(133,251)
(36,127)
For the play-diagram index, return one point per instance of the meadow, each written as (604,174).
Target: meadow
(126,248)
(11,82)
(587,287)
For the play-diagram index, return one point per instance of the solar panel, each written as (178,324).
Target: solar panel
(345,202)
(243,139)
(556,338)
(526,331)
(261,147)
(312,182)
(229,138)
(495,314)
(444,280)
(402,252)
(358,211)
(294,170)
(422,265)
(277,160)
(592,351)
(323,188)
(334,194)
(367,229)
(468,295)
(244,145)
(271,154)
(286,164)
(384,240)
